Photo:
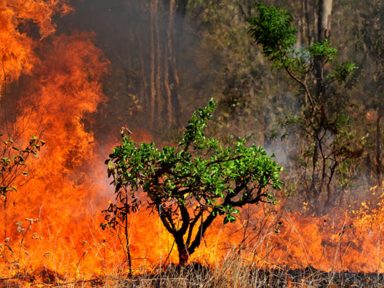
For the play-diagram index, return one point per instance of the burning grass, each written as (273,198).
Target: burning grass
(232,272)
(274,250)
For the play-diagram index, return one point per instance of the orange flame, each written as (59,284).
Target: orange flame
(66,89)
(16,48)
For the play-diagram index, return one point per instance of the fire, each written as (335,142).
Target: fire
(64,89)
(54,219)
(16,47)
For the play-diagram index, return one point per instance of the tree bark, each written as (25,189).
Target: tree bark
(164,80)
(182,250)
(152,56)
(174,75)
(379,164)
(158,54)
(325,17)
(182,6)
(168,73)
(323,34)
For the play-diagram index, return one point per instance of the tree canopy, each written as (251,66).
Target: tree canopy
(192,183)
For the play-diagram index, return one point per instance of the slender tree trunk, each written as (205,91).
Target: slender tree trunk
(158,55)
(143,76)
(164,102)
(152,56)
(5,218)
(168,92)
(315,159)
(182,6)
(174,75)
(325,13)
(324,10)
(379,164)
(301,35)
(329,200)
(168,85)
(128,247)
(308,32)
(323,33)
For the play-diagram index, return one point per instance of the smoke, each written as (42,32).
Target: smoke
(123,31)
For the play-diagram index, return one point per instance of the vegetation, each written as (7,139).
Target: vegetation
(191,184)
(326,131)
(13,166)
(203,48)
(372,34)
(13,162)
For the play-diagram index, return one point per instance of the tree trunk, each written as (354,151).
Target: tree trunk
(174,75)
(159,91)
(315,158)
(323,33)
(143,76)
(152,72)
(168,73)
(325,13)
(308,32)
(182,250)
(379,164)
(168,92)
(164,79)
(182,6)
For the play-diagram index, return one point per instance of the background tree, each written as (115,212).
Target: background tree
(322,120)
(372,97)
(148,50)
(240,72)
(192,184)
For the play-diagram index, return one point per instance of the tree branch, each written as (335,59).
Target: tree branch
(201,231)
(166,219)
(301,82)
(185,219)
(192,225)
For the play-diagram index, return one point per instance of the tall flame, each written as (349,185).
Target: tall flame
(16,48)
(66,87)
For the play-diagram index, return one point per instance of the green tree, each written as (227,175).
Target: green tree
(191,184)
(323,121)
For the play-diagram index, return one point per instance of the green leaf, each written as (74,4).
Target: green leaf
(274,31)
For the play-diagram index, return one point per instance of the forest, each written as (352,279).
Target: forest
(190,143)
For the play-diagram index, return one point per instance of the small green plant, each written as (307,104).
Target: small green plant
(13,166)
(13,161)
(191,184)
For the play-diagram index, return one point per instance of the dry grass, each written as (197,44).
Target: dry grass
(231,273)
